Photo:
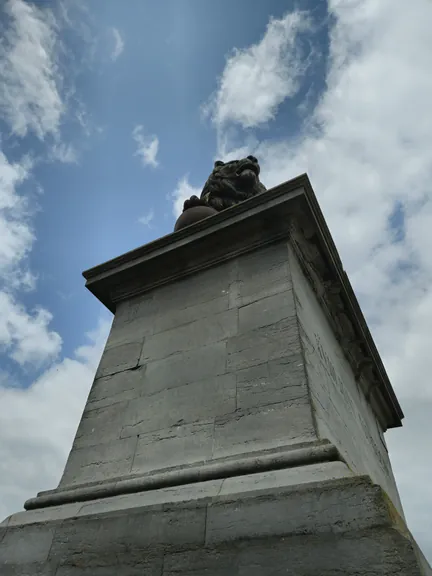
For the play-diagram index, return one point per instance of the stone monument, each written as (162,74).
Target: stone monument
(235,425)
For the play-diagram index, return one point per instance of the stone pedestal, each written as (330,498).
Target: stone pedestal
(236,421)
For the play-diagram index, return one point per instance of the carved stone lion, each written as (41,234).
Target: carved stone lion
(228,184)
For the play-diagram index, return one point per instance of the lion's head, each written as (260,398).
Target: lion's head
(232,182)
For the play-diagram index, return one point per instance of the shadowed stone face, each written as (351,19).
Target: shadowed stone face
(228,184)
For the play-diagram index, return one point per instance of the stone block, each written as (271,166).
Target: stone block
(185,368)
(175,446)
(208,285)
(276,479)
(43,515)
(148,566)
(26,544)
(102,425)
(263,344)
(375,553)
(116,540)
(261,274)
(279,380)
(191,336)
(271,426)
(119,358)
(170,317)
(266,311)
(99,462)
(164,498)
(309,509)
(182,405)
(125,385)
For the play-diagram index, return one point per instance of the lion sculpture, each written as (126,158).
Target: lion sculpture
(228,184)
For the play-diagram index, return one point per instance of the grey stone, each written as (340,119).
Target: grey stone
(342,413)
(297,476)
(303,510)
(191,336)
(182,405)
(148,566)
(261,274)
(185,368)
(170,317)
(143,307)
(272,382)
(102,425)
(119,358)
(29,569)
(263,344)
(26,544)
(99,462)
(271,426)
(164,498)
(174,446)
(42,515)
(195,290)
(267,311)
(127,539)
(125,385)
(374,553)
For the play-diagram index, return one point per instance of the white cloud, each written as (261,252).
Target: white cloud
(147,218)
(366,148)
(29,77)
(38,424)
(183,191)
(16,236)
(26,337)
(256,80)
(118,44)
(147,147)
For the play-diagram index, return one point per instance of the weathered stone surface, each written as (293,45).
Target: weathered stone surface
(119,358)
(279,380)
(125,385)
(312,509)
(263,344)
(103,425)
(297,476)
(182,405)
(201,332)
(149,566)
(174,446)
(170,317)
(100,462)
(342,413)
(261,274)
(266,311)
(376,553)
(195,290)
(185,368)
(267,427)
(26,544)
(115,540)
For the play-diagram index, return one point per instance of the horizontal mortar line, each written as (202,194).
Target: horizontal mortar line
(316,453)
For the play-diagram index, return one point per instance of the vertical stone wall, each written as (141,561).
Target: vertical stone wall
(342,413)
(204,368)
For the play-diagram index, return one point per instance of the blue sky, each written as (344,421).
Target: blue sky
(112,112)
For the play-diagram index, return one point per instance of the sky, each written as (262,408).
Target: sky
(112,113)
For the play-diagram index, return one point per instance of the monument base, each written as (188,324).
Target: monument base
(317,519)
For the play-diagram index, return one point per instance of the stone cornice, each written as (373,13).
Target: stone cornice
(289,210)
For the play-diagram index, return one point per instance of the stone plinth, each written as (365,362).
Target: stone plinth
(236,421)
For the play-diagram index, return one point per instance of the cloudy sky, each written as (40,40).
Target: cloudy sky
(112,112)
